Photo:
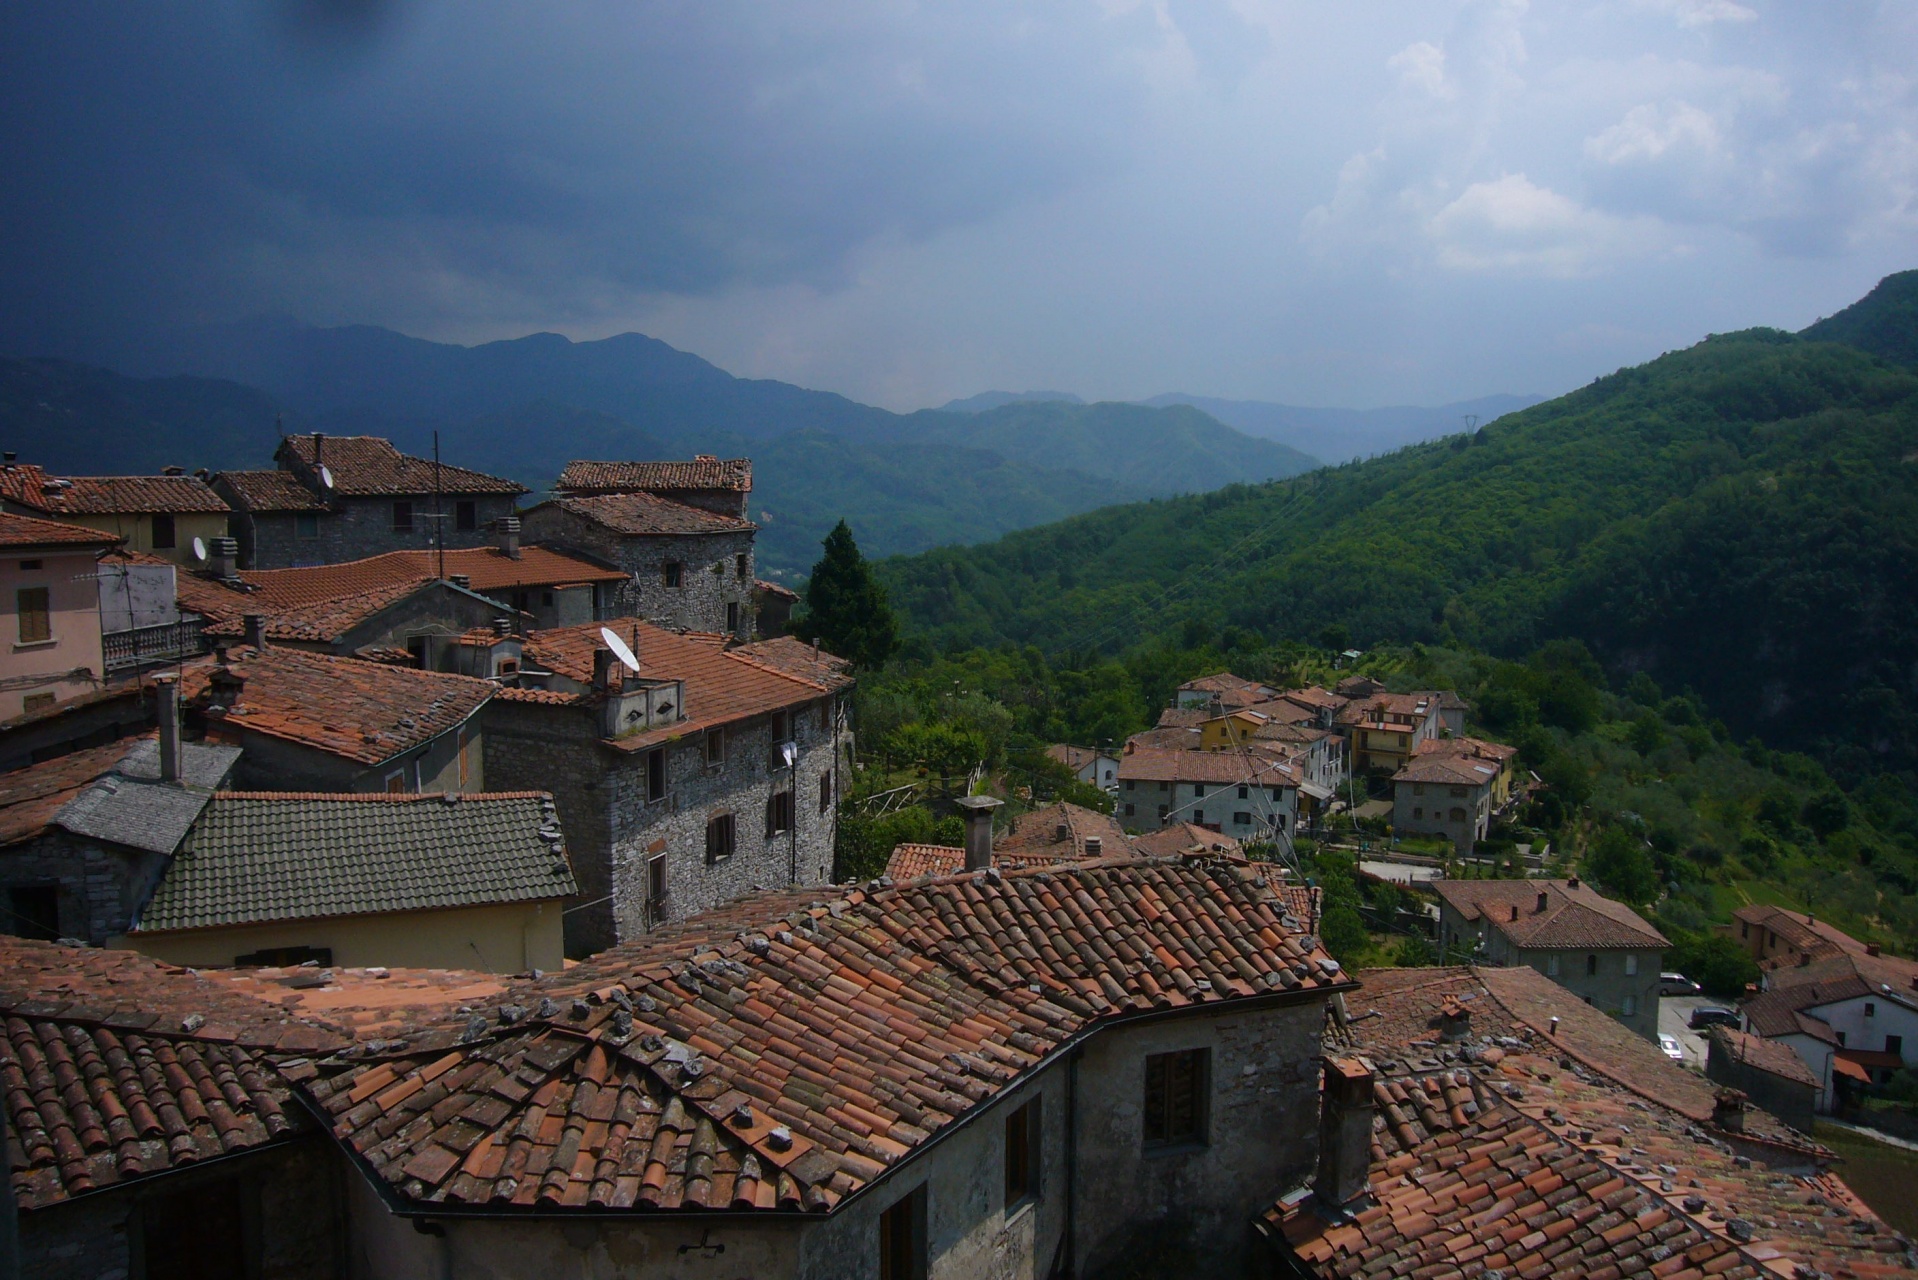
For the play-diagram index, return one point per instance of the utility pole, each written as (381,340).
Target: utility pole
(439,529)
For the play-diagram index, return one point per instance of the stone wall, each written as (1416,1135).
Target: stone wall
(274,764)
(710,576)
(291,1200)
(100,885)
(359,527)
(612,831)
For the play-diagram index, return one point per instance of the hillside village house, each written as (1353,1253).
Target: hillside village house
(710,772)
(1851,1017)
(52,633)
(1384,730)
(420,622)
(1484,1122)
(718,485)
(1766,1071)
(1600,950)
(314,722)
(1780,939)
(1247,796)
(1452,787)
(1219,692)
(159,515)
(1088,764)
(1281,730)
(337,498)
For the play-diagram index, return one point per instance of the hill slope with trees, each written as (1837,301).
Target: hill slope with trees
(1740,518)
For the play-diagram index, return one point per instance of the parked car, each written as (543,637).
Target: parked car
(1669,1043)
(1676,984)
(1706,1015)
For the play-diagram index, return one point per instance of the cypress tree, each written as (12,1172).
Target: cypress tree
(846,609)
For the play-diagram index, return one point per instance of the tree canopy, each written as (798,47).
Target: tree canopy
(846,608)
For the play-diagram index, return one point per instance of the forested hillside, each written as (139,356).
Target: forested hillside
(1740,518)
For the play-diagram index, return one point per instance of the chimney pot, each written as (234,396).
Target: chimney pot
(1728,1110)
(1544,900)
(222,557)
(168,687)
(1345,1132)
(256,630)
(1061,832)
(1572,883)
(509,537)
(463,581)
(1871,949)
(978,810)
(1515,911)
(1095,847)
(502,626)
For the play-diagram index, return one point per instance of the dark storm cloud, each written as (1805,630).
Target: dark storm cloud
(362,160)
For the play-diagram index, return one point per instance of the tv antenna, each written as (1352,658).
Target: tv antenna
(620,648)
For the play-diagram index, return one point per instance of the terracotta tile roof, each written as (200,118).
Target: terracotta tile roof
(1061,828)
(775,1055)
(1765,1055)
(911,861)
(1792,993)
(1388,710)
(30,797)
(1167,737)
(366,712)
(1185,837)
(106,495)
(1457,771)
(254,857)
(774,589)
(374,1003)
(369,467)
(646,513)
(735,474)
(1074,758)
(1182,717)
(791,656)
(1466,748)
(486,568)
(1499,1147)
(318,622)
(1225,768)
(31,531)
(1225,682)
(1798,930)
(1575,914)
(1313,698)
(115,1067)
(722,685)
(269,491)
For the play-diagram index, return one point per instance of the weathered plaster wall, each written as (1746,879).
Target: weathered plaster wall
(507,938)
(71,662)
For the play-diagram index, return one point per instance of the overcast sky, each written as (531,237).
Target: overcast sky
(1323,203)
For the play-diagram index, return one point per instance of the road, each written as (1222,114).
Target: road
(1673,1013)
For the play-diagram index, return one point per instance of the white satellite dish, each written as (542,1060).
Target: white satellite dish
(199,548)
(326,476)
(619,649)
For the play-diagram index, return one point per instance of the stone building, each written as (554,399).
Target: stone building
(1602,951)
(338,498)
(709,483)
(710,772)
(84,837)
(157,515)
(687,567)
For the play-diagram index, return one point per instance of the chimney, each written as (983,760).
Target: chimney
(1455,1022)
(168,687)
(978,830)
(502,627)
(222,557)
(224,685)
(1515,911)
(1572,883)
(1095,847)
(1345,1132)
(1544,900)
(464,581)
(1061,832)
(508,527)
(1553,1032)
(1728,1110)
(602,667)
(1871,949)
(319,442)
(256,630)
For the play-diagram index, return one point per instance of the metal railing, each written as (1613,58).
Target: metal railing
(167,642)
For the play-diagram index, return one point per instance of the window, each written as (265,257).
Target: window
(396,783)
(670,572)
(33,913)
(1162,812)
(1273,794)
(1631,964)
(1128,784)
(825,791)
(741,566)
(197,1233)
(38,701)
(466,515)
(1630,1006)
(1022,1154)
(402,517)
(781,729)
(35,608)
(1458,815)
(1175,1096)
(1591,966)
(714,747)
(306,524)
(1198,789)
(902,1238)
(1131,809)
(779,813)
(1895,1044)
(1418,788)
(164,538)
(719,837)
(656,889)
(546,598)
(655,775)
(32,566)
(1744,929)
(1418,813)
(1551,966)
(1198,816)
(1243,791)
(1242,818)
(1871,1010)
(732,615)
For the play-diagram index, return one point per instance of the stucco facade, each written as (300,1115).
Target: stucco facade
(510,937)
(453,761)
(1459,812)
(1621,981)
(178,531)
(51,631)
(1245,812)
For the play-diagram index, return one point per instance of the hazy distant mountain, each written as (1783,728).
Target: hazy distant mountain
(996,399)
(1339,435)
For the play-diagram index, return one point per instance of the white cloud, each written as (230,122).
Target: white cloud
(1421,66)
(1652,130)
(1511,224)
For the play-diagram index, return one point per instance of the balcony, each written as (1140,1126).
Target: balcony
(146,646)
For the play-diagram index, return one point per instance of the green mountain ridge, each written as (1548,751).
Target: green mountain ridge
(1740,517)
